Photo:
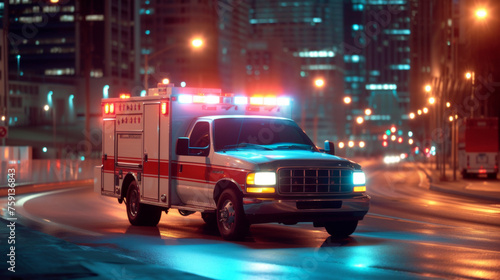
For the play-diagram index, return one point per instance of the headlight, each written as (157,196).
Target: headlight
(359,181)
(262,178)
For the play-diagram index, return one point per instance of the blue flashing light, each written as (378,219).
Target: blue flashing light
(105,91)
(143,92)
(82,158)
(183,84)
(44,149)
(147,32)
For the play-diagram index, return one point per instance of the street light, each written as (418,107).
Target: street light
(46,108)
(428,88)
(360,120)
(195,43)
(412,116)
(425,110)
(368,111)
(481,13)
(319,82)
(347,100)
(432,100)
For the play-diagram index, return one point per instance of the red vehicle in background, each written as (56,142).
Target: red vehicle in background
(478,147)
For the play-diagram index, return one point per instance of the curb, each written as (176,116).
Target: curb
(434,186)
(438,188)
(35,188)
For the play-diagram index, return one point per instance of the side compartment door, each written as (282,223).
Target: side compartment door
(108,158)
(151,158)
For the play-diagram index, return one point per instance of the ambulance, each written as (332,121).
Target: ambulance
(238,160)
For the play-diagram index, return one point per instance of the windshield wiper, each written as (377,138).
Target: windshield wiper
(294,146)
(245,145)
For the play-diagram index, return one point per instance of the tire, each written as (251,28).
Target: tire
(140,214)
(209,218)
(341,229)
(231,220)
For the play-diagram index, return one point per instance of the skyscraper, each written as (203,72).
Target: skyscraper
(167,29)
(56,48)
(310,31)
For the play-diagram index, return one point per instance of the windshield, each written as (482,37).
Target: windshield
(259,133)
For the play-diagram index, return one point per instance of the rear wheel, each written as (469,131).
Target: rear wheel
(341,229)
(140,214)
(231,220)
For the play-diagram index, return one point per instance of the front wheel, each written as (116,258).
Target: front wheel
(140,214)
(341,229)
(231,220)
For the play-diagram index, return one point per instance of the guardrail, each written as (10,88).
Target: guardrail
(47,171)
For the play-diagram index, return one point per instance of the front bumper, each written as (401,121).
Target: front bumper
(294,210)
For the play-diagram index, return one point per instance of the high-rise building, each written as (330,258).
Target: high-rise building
(310,31)
(4,74)
(376,53)
(167,29)
(68,55)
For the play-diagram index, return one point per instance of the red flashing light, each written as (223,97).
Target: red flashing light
(164,108)
(125,95)
(109,108)
(482,171)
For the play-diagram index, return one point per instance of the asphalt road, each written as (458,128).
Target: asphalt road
(411,232)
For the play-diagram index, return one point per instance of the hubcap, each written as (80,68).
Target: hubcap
(227,215)
(134,203)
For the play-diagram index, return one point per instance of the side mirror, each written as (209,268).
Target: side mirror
(329,147)
(182,147)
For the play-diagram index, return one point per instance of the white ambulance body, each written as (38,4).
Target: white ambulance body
(237,160)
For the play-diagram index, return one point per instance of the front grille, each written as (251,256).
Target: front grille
(314,181)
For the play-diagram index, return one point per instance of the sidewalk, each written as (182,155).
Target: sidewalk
(40,256)
(480,188)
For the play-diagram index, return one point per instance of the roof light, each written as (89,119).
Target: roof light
(270,101)
(125,95)
(212,99)
(106,108)
(164,108)
(112,108)
(240,100)
(283,101)
(256,100)
(185,98)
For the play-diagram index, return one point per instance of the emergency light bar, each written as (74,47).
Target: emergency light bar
(236,100)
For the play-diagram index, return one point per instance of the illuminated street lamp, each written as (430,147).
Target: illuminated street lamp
(368,111)
(347,100)
(362,144)
(350,144)
(428,88)
(412,116)
(481,13)
(468,75)
(195,43)
(46,108)
(419,112)
(319,82)
(360,120)
(341,145)
(165,81)
(425,110)
(432,100)
(448,104)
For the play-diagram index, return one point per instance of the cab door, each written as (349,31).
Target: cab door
(193,170)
